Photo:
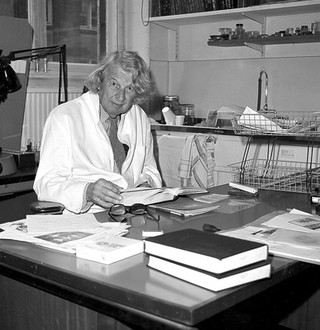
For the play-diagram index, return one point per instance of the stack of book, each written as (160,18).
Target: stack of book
(212,261)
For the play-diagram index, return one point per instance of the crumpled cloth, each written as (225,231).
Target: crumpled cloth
(198,161)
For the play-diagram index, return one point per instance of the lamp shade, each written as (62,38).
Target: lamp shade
(3,84)
(11,79)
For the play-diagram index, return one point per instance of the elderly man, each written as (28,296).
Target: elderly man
(100,142)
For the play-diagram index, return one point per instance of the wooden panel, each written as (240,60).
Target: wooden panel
(27,308)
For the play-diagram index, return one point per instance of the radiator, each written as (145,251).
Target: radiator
(39,103)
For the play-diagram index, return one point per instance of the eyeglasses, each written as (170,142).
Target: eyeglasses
(117,212)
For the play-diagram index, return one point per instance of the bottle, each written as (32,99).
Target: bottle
(188,110)
(239,31)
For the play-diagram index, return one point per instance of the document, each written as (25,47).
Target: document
(298,222)
(60,232)
(302,243)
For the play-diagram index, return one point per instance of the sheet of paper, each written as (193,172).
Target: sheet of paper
(297,222)
(253,119)
(59,239)
(63,222)
(297,238)
(282,245)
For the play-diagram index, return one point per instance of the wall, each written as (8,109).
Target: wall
(211,77)
(294,83)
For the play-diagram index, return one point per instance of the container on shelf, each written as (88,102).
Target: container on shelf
(188,110)
(225,33)
(172,102)
(239,32)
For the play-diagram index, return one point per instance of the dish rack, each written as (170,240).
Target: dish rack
(272,173)
(277,175)
(277,123)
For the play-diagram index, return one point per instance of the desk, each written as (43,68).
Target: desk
(46,289)
(16,194)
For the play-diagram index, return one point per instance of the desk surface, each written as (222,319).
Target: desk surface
(130,290)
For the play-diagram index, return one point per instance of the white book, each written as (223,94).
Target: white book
(109,249)
(156,195)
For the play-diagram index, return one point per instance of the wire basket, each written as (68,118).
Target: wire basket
(277,175)
(273,123)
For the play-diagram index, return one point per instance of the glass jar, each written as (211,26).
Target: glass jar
(239,32)
(188,110)
(171,101)
(304,30)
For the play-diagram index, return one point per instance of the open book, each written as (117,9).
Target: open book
(156,195)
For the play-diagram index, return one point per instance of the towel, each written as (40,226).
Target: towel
(169,150)
(198,161)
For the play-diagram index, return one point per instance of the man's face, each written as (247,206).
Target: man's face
(116,91)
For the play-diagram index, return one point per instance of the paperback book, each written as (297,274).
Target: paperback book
(109,249)
(209,280)
(207,251)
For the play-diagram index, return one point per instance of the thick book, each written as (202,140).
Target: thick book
(212,281)
(185,207)
(156,195)
(109,249)
(207,251)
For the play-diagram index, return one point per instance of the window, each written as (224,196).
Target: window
(80,24)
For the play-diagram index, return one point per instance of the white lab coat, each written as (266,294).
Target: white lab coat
(76,150)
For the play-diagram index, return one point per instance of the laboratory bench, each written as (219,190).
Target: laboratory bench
(43,288)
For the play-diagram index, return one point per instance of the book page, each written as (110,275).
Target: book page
(144,196)
(148,196)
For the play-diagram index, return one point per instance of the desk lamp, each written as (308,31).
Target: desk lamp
(9,81)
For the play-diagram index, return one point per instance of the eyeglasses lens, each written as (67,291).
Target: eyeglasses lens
(137,209)
(117,212)
(118,209)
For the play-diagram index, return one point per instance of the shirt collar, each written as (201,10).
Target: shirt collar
(103,114)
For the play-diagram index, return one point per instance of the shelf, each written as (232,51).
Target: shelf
(266,41)
(255,13)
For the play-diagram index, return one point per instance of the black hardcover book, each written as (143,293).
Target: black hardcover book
(212,281)
(204,250)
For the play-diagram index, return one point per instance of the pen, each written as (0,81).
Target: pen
(257,232)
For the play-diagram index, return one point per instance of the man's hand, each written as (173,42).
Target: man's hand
(103,193)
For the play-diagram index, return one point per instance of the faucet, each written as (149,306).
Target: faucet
(265,107)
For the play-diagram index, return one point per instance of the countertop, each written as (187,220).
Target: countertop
(192,129)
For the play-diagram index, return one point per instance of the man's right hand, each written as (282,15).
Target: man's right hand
(103,193)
